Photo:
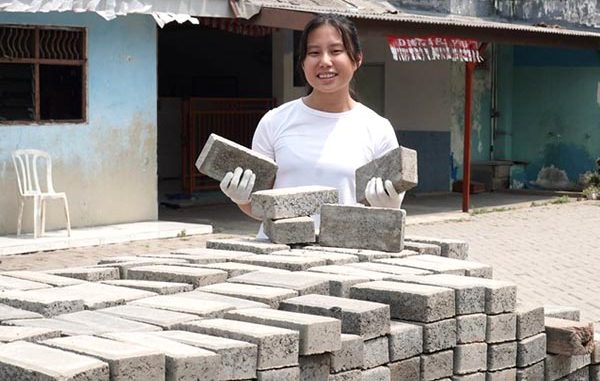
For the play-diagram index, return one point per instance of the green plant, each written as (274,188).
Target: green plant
(592,192)
(182,234)
(560,200)
(590,182)
(478,211)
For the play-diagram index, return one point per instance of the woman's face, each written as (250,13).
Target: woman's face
(327,65)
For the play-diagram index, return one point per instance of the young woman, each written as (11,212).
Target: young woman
(322,138)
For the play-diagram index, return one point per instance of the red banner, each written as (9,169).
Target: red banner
(434,48)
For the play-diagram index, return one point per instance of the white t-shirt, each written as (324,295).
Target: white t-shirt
(313,147)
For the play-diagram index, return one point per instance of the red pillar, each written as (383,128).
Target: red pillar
(470,67)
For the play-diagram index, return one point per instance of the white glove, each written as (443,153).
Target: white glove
(383,196)
(237,185)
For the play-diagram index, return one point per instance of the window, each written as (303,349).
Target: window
(42,74)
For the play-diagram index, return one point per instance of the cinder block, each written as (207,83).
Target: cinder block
(314,367)
(366,319)
(238,358)
(66,328)
(594,372)
(271,296)
(351,375)
(234,303)
(415,262)
(234,269)
(408,301)
(126,361)
(437,365)
(252,245)
(292,202)
(376,352)
(469,297)
(350,356)
(405,339)
(399,166)
(42,303)
(406,370)
(22,360)
(471,268)
(562,312)
(509,374)
(478,376)
(301,283)
(470,358)
(423,248)
(338,285)
(582,374)
(204,255)
(103,323)
(42,277)
(381,373)
(558,366)
(534,372)
(33,334)
(97,295)
(530,320)
(11,313)
(531,350)
(438,335)
(220,155)
(290,230)
(283,262)
(182,362)
(362,254)
(501,327)
(451,248)
(471,328)
(277,347)
(351,271)
(330,258)
(389,268)
(500,296)
(162,318)
(90,274)
(318,334)
(125,266)
(161,288)
(361,227)
(182,304)
(502,356)
(181,274)
(291,373)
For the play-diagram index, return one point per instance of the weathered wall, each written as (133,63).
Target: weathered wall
(107,165)
(563,12)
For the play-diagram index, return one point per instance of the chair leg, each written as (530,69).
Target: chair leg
(20,219)
(67,215)
(36,217)
(43,218)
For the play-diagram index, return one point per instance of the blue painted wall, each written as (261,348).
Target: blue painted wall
(107,165)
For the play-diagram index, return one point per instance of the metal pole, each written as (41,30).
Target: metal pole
(470,66)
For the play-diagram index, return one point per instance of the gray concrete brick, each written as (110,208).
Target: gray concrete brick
(477,376)
(9,334)
(350,356)
(451,248)
(469,297)
(533,372)
(284,262)
(125,266)
(404,253)
(126,361)
(595,353)
(234,269)
(182,304)
(501,327)
(146,258)
(376,352)
(203,255)
(509,374)
(277,347)
(314,367)
(182,362)
(438,335)
(339,285)
(558,366)
(292,202)
(103,323)
(471,328)
(415,262)
(180,274)
(582,374)
(423,248)
(408,301)
(41,277)
(437,365)
(405,340)
(22,360)
(42,303)
(252,245)
(291,373)
(470,358)
(399,166)
(318,334)
(530,320)
(220,155)
(290,230)
(594,372)
(213,256)
(472,268)
(363,255)
(349,270)
(351,375)
(381,373)
(531,350)
(300,283)
(90,274)
(161,288)
(361,227)
(500,296)
(234,303)
(66,328)
(366,319)
(562,312)
(331,258)
(271,296)
(406,370)
(162,318)
(502,356)
(11,313)
(238,358)
(390,268)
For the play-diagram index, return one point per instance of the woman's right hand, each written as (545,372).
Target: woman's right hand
(238,185)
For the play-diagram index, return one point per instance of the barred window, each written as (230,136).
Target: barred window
(42,74)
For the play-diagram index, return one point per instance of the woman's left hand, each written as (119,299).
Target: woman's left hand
(383,195)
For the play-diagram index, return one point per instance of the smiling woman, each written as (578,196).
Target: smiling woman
(322,138)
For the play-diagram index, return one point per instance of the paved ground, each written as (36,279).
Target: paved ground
(552,252)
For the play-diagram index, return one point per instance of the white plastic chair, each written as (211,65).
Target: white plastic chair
(27,163)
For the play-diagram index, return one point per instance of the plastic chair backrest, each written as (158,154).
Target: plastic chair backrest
(26,165)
